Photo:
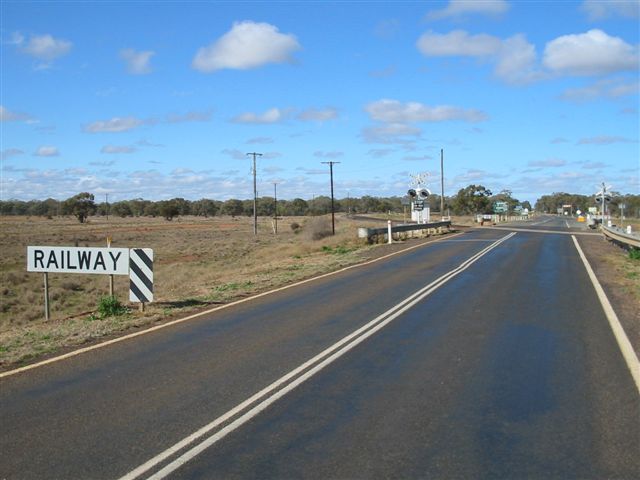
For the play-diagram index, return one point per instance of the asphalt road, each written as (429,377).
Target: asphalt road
(502,365)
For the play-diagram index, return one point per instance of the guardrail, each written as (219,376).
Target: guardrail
(620,236)
(373,233)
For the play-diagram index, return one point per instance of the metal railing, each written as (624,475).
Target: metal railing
(618,235)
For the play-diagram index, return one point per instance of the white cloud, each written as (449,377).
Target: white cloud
(234,154)
(116,124)
(514,58)
(417,158)
(605,88)
(551,162)
(189,117)
(116,149)
(10,152)
(458,43)
(247,45)
(138,63)
(393,111)
(314,114)
(594,165)
(259,140)
(603,140)
(591,53)
(458,8)
(516,61)
(333,154)
(43,47)
(7,115)
(390,133)
(273,115)
(603,9)
(47,151)
(380,152)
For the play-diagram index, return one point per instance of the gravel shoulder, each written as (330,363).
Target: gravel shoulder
(619,276)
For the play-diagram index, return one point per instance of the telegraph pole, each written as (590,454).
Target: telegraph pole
(255,193)
(333,211)
(442,182)
(275,207)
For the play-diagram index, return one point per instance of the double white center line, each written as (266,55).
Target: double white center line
(213,432)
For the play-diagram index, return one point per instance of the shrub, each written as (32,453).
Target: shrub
(110,306)
(295,226)
(318,228)
(634,253)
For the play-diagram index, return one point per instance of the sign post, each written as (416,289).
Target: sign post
(110,276)
(46,296)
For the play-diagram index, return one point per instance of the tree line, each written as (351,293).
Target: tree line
(469,200)
(84,205)
(551,203)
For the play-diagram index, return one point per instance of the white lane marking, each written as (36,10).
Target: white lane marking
(626,348)
(211,310)
(471,240)
(324,358)
(531,230)
(567,223)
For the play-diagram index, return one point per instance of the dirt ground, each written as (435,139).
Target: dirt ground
(201,263)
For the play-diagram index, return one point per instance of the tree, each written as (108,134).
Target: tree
(81,205)
(204,207)
(298,207)
(168,209)
(232,207)
(472,199)
(121,209)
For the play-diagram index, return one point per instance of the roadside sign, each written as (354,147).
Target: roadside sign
(141,276)
(105,261)
(500,207)
(418,205)
(135,262)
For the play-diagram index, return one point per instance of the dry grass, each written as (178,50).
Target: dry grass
(199,262)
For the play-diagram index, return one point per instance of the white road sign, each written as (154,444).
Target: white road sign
(108,261)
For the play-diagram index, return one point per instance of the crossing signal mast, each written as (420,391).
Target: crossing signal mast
(603,197)
(419,196)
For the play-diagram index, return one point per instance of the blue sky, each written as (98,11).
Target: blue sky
(164,99)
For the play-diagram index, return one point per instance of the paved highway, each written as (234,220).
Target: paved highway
(482,355)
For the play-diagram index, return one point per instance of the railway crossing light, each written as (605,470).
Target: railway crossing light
(424,193)
(412,193)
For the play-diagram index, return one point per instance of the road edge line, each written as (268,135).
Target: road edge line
(624,344)
(155,328)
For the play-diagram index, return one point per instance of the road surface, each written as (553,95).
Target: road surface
(482,355)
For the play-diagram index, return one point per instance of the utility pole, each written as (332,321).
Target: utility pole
(255,193)
(333,212)
(275,207)
(106,200)
(442,182)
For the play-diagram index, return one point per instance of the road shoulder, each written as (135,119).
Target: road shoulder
(619,276)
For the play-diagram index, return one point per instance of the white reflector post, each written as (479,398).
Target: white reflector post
(141,275)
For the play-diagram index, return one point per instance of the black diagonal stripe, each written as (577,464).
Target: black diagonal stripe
(136,291)
(140,274)
(144,257)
